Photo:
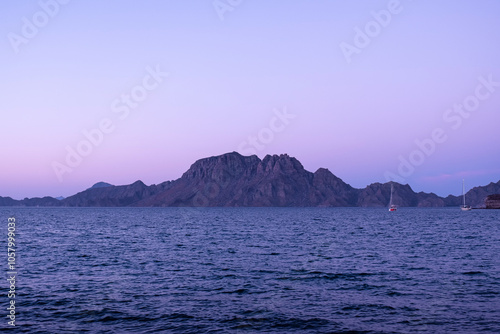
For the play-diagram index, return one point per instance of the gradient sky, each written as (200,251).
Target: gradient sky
(227,77)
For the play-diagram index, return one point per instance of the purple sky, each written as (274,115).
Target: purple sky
(358,92)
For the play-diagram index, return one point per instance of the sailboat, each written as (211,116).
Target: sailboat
(464,207)
(392,207)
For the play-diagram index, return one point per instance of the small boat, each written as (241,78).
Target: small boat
(464,207)
(392,207)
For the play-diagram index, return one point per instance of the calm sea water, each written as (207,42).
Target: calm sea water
(247,270)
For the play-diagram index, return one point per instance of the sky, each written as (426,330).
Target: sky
(119,91)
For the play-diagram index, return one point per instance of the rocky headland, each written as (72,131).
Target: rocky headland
(233,180)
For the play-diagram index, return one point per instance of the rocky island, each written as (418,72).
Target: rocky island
(234,180)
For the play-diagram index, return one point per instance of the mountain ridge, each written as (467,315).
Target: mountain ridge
(234,180)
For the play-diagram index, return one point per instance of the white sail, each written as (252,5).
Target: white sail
(464,207)
(392,207)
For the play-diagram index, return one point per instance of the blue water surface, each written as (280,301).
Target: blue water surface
(247,270)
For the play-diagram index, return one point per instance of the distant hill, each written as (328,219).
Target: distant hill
(233,180)
(113,195)
(101,185)
(475,197)
(378,194)
(35,201)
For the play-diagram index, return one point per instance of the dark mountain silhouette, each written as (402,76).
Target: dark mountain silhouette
(113,195)
(475,197)
(35,201)
(378,194)
(101,185)
(232,180)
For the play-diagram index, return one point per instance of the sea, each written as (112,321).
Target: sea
(252,270)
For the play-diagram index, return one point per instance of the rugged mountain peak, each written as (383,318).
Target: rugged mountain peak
(235,180)
(282,163)
(322,170)
(216,167)
(138,184)
(323,174)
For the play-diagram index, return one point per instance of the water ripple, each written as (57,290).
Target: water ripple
(276,270)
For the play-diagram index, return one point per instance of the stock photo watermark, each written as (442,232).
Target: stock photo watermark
(122,107)
(222,7)
(31,27)
(454,118)
(266,135)
(278,123)
(11,270)
(370,30)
